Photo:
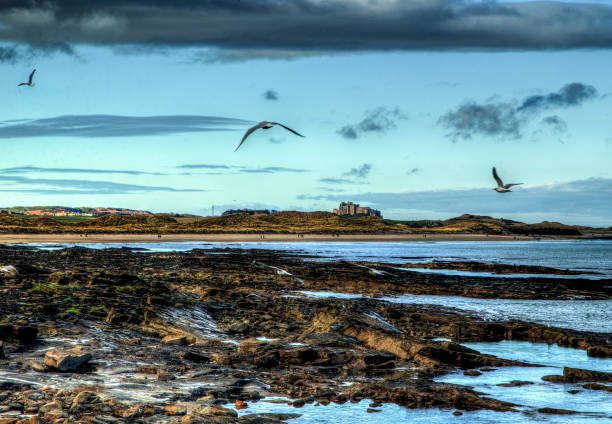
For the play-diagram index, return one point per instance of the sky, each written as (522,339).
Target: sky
(405,106)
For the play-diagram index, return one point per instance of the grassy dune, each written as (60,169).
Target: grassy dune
(283,222)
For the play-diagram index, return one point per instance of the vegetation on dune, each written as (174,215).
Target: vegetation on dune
(282,222)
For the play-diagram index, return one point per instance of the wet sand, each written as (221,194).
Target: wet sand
(247,237)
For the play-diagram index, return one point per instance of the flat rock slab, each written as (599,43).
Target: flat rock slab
(66,360)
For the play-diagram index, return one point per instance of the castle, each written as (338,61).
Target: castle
(353,209)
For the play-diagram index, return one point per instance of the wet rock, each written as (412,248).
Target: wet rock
(9,271)
(600,351)
(163,375)
(298,403)
(175,340)
(66,360)
(573,375)
(175,410)
(2,350)
(372,410)
(472,373)
(597,386)
(457,413)
(515,383)
(84,401)
(556,411)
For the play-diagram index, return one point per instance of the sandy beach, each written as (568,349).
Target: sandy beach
(243,237)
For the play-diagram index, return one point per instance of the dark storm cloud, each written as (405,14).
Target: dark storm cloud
(65,186)
(271,95)
(506,120)
(557,124)
(361,172)
(94,126)
(378,120)
(232,169)
(572,94)
(273,29)
(30,169)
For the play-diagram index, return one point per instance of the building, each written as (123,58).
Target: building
(353,209)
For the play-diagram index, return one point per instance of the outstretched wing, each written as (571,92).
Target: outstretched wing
(23,83)
(288,129)
(249,132)
(31,77)
(500,183)
(511,185)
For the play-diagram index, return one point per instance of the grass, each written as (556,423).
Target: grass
(72,219)
(99,308)
(73,310)
(45,287)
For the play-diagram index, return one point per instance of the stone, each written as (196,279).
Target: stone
(175,410)
(556,411)
(175,340)
(66,360)
(515,383)
(472,373)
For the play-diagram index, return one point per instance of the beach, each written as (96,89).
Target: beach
(8,238)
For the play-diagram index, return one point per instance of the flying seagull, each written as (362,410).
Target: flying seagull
(266,126)
(501,187)
(29,83)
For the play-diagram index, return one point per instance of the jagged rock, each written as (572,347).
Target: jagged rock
(515,383)
(556,411)
(599,351)
(66,360)
(176,340)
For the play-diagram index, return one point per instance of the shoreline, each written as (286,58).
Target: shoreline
(20,238)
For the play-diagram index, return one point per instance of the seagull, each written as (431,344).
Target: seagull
(501,187)
(266,126)
(29,83)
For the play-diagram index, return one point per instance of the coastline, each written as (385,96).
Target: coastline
(21,238)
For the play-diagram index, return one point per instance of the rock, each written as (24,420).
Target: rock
(163,375)
(372,410)
(175,340)
(175,410)
(573,375)
(472,373)
(600,351)
(25,334)
(85,400)
(2,351)
(298,403)
(515,383)
(597,386)
(556,411)
(457,413)
(66,360)
(54,408)
(35,366)
(241,405)
(9,270)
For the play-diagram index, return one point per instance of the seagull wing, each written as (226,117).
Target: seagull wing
(288,129)
(510,185)
(249,132)
(23,83)
(31,77)
(500,183)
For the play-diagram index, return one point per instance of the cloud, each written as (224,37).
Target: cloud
(413,171)
(66,186)
(557,124)
(95,126)
(26,53)
(378,120)
(30,169)
(361,172)
(491,119)
(337,181)
(273,29)
(587,202)
(232,169)
(505,120)
(573,94)
(271,95)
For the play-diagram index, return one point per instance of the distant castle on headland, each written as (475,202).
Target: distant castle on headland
(353,209)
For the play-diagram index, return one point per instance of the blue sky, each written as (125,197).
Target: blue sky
(405,126)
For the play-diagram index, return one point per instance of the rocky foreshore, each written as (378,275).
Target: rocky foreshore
(115,335)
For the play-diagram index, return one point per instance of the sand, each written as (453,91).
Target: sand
(241,237)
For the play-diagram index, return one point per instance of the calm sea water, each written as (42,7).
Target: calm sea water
(581,255)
